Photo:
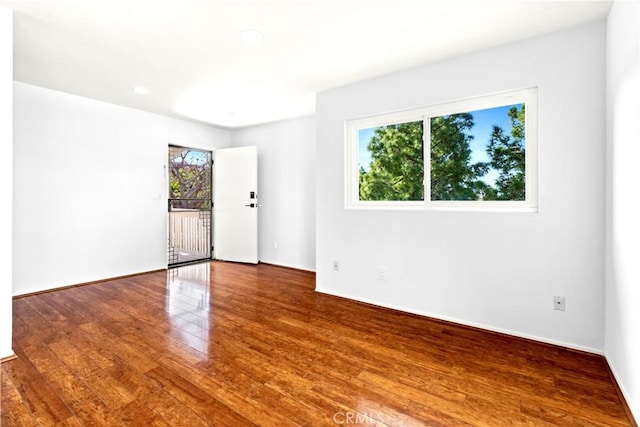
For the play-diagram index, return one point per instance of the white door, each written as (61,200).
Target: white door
(235,205)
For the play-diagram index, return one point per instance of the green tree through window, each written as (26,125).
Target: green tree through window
(507,155)
(396,169)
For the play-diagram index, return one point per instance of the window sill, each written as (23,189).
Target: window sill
(504,207)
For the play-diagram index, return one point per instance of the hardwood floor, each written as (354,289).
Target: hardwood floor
(233,345)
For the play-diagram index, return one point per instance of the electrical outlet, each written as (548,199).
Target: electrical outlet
(275,244)
(558,303)
(383,273)
(336,265)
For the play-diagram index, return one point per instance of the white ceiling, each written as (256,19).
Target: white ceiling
(190,56)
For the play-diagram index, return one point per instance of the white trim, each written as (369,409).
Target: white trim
(620,383)
(426,142)
(467,323)
(289,266)
(183,144)
(352,127)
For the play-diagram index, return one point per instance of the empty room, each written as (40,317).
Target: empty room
(312,212)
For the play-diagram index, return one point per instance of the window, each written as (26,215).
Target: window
(474,154)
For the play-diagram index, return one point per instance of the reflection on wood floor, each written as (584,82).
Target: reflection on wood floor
(231,345)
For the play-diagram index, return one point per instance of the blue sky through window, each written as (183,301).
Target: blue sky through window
(484,120)
(199,158)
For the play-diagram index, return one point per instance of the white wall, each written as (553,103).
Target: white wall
(286,169)
(499,271)
(622,334)
(90,187)
(6,177)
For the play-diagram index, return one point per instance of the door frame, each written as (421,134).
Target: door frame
(211,153)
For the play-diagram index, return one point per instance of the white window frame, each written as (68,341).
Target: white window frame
(527,96)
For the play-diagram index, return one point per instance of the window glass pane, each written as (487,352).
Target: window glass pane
(479,155)
(189,177)
(390,162)
(473,154)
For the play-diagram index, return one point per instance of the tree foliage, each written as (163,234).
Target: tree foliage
(507,155)
(189,179)
(397,167)
(453,177)
(396,171)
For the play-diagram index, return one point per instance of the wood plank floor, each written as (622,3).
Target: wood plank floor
(233,345)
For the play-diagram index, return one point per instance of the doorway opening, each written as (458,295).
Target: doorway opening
(189,206)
